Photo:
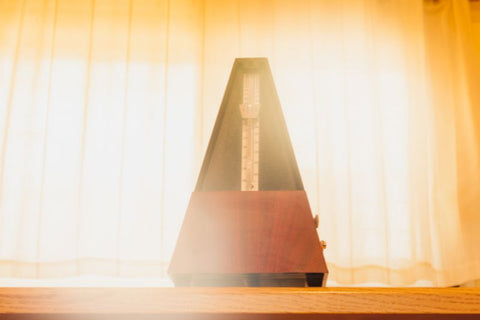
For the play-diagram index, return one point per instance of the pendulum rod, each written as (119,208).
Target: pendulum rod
(250,131)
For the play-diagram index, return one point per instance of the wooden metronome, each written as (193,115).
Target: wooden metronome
(249,222)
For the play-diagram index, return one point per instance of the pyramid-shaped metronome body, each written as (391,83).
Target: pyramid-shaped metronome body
(249,222)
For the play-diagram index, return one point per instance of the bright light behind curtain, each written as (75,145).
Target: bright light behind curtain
(106,108)
(98,107)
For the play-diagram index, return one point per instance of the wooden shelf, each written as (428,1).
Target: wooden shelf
(239,303)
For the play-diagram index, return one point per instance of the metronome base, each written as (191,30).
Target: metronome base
(257,238)
(251,280)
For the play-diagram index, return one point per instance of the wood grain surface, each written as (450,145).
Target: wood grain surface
(235,232)
(239,303)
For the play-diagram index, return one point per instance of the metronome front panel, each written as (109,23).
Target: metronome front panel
(222,166)
(229,232)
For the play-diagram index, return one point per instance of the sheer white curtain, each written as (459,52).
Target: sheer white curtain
(106,107)
(98,114)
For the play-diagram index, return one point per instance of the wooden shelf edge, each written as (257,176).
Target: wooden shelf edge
(230,302)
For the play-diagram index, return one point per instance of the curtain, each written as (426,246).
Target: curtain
(106,108)
(98,118)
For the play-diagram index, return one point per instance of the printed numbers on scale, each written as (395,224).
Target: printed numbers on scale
(250,131)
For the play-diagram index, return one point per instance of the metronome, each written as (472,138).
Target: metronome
(249,222)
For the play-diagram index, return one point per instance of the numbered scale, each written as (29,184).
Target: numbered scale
(249,222)
(249,110)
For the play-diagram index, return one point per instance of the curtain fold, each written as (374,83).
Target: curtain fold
(106,108)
